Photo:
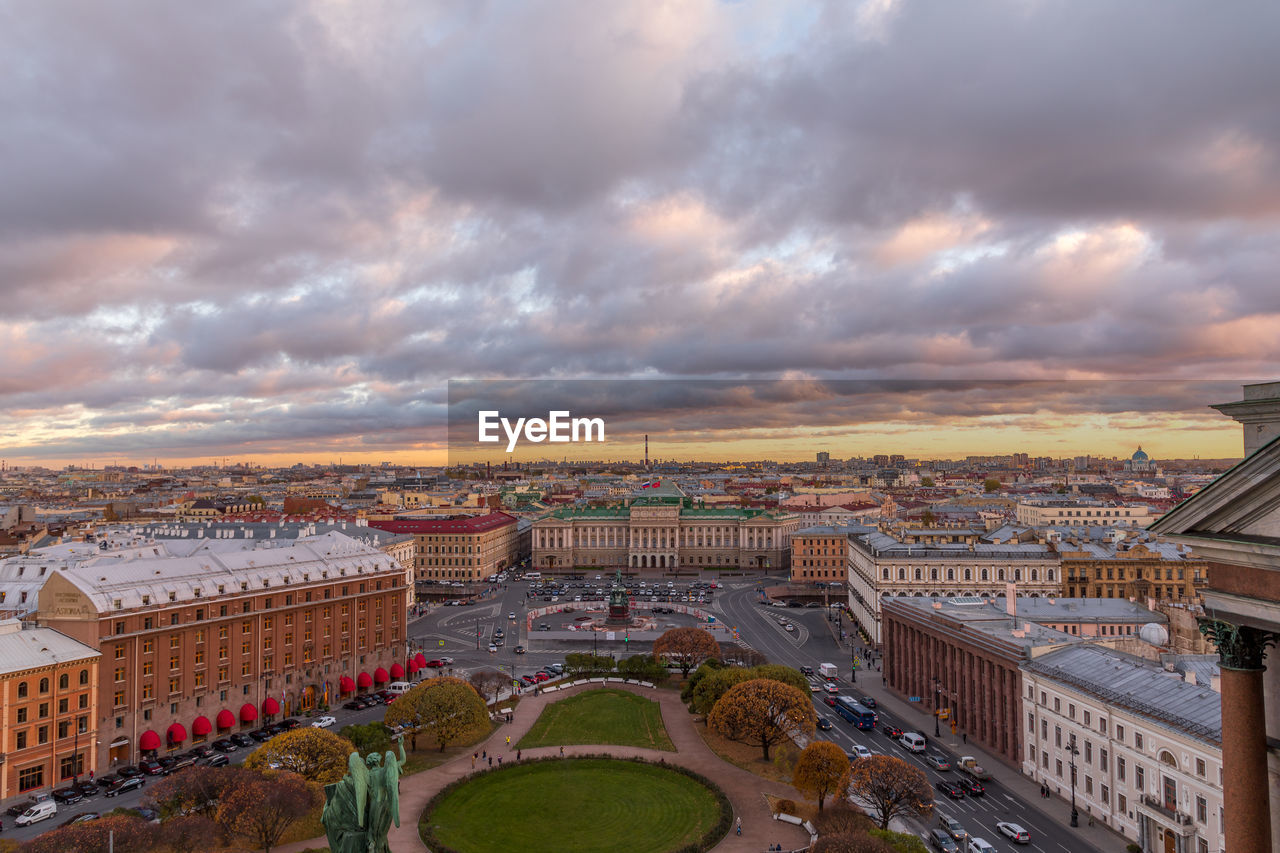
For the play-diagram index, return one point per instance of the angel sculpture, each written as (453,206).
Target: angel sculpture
(359,810)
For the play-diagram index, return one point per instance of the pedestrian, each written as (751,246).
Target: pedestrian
(90,775)
(562,752)
(508,740)
(739,825)
(484,754)
(964,736)
(473,761)
(518,754)
(1090,820)
(490,760)
(499,760)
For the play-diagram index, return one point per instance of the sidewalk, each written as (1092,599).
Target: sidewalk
(1055,810)
(746,791)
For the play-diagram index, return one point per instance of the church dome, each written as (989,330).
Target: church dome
(1139,455)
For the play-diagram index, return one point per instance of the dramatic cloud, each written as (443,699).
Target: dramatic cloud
(279,228)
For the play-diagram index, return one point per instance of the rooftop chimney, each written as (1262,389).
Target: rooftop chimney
(1011,599)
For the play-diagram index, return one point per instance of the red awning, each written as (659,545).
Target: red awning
(413,666)
(270,706)
(226,719)
(397,671)
(380,676)
(177,733)
(420,659)
(248,713)
(201,726)
(364,680)
(149,740)
(346,685)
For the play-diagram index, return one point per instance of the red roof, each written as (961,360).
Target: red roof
(423,526)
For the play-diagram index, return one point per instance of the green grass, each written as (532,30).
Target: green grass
(600,717)
(587,804)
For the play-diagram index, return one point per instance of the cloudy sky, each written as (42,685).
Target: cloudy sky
(274,231)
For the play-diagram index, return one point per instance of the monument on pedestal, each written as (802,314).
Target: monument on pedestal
(619,604)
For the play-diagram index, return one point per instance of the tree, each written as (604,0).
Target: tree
(763,712)
(785,674)
(822,770)
(371,737)
(446,710)
(584,663)
(686,647)
(130,834)
(262,807)
(891,787)
(188,833)
(489,683)
(714,685)
(317,755)
(927,482)
(991,484)
(196,790)
(751,657)
(644,667)
(927,518)
(842,818)
(851,842)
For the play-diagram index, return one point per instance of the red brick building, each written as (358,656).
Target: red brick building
(462,548)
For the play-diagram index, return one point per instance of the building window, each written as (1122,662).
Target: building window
(1202,809)
(1137,741)
(1058,768)
(1200,767)
(20,740)
(1139,777)
(1120,768)
(1106,795)
(31,777)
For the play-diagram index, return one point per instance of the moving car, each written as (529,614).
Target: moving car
(435,664)
(971,786)
(324,722)
(951,789)
(937,762)
(493,649)
(860,751)
(952,827)
(891,730)
(519,650)
(867,702)
(980,845)
(824,724)
(1015,833)
(943,843)
(124,785)
(831,688)
(512,616)
(806,670)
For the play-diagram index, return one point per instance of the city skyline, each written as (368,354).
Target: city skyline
(289,255)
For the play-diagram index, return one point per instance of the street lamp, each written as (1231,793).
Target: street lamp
(1073,750)
(937,732)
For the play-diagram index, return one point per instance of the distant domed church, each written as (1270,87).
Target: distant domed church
(1140,462)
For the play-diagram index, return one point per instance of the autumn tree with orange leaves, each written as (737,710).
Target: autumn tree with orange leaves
(891,787)
(821,771)
(447,710)
(763,712)
(686,648)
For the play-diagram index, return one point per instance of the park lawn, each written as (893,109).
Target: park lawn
(578,804)
(600,717)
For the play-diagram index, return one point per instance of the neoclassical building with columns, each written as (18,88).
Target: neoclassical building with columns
(663,532)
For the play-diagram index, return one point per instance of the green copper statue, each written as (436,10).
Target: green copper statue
(359,810)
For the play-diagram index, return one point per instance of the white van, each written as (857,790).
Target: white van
(399,688)
(38,812)
(533,576)
(913,741)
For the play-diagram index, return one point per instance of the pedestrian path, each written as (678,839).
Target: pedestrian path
(745,790)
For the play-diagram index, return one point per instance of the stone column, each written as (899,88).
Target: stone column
(1245,799)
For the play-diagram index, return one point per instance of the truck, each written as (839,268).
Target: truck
(969,764)
(828,671)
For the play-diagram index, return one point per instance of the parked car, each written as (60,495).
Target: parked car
(124,785)
(971,786)
(127,771)
(151,768)
(951,789)
(183,762)
(20,807)
(937,762)
(354,705)
(37,813)
(223,745)
(543,626)
(106,781)
(528,679)
(262,735)
(242,739)
(1015,832)
(290,723)
(202,751)
(67,795)
(435,664)
(216,760)
(943,843)
(166,761)
(324,722)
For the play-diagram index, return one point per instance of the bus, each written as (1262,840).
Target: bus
(863,718)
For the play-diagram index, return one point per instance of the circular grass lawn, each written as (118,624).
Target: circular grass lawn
(572,805)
